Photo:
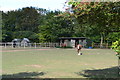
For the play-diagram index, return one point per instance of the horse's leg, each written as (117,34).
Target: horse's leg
(78,52)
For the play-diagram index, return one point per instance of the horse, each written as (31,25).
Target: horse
(79,49)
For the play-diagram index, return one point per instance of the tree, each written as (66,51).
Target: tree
(54,27)
(32,36)
(8,26)
(101,16)
(28,19)
(20,23)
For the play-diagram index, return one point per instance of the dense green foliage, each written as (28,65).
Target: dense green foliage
(36,24)
(97,21)
(116,47)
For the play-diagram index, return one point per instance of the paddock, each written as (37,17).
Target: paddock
(58,63)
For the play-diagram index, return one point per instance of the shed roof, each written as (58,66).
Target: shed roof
(72,38)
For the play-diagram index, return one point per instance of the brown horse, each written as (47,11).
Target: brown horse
(79,49)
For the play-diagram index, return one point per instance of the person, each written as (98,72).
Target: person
(79,49)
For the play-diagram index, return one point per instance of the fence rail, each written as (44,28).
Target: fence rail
(104,45)
(39,45)
(26,45)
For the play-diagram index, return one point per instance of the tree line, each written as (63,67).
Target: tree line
(101,20)
(36,24)
(96,21)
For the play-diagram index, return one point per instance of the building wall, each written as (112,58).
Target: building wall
(73,43)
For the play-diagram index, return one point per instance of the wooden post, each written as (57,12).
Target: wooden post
(24,45)
(49,44)
(101,42)
(45,44)
(35,45)
(12,44)
(107,45)
(18,45)
(40,44)
(5,45)
(30,45)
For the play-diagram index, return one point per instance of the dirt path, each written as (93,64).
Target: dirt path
(21,50)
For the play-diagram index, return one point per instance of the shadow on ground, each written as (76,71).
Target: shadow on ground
(24,75)
(100,73)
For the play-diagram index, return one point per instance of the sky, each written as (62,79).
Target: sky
(7,5)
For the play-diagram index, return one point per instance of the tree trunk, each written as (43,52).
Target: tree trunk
(101,42)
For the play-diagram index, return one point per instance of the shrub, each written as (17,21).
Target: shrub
(116,47)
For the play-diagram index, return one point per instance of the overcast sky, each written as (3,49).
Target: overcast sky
(6,5)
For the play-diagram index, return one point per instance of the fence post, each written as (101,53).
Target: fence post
(24,45)
(53,45)
(35,45)
(30,45)
(5,45)
(18,45)
(40,44)
(44,44)
(12,44)
(106,45)
(49,44)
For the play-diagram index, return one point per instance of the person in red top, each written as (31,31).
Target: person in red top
(79,49)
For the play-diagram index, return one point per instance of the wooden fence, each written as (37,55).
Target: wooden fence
(104,45)
(30,45)
(38,45)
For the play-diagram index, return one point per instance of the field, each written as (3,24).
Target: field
(59,63)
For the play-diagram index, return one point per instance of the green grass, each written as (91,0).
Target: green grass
(59,63)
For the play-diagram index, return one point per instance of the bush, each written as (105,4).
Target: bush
(116,47)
